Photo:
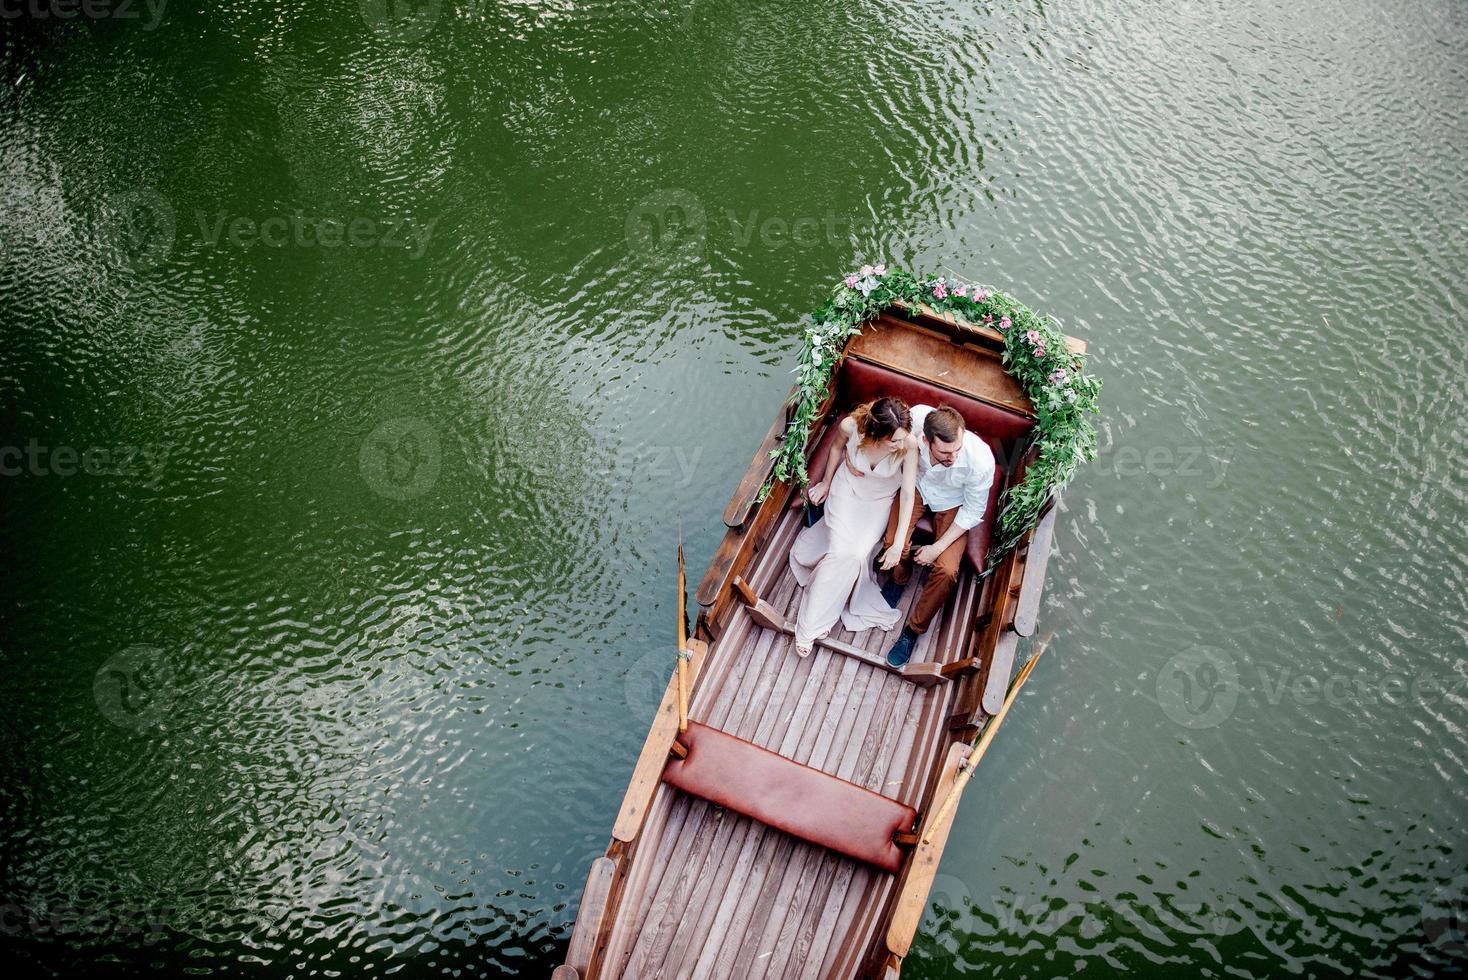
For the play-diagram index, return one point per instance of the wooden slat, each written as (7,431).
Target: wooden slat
(592,914)
(1032,586)
(827,907)
(858,935)
(813,957)
(654,756)
(996,682)
(840,681)
(749,952)
(856,756)
(917,879)
(783,729)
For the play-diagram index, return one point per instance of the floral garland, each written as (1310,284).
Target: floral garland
(1035,354)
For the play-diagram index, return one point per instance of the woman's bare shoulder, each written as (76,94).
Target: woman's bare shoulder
(848,425)
(910,445)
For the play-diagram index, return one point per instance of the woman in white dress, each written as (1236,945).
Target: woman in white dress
(876,459)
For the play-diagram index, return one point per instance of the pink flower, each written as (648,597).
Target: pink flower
(1033,336)
(1005,323)
(851,282)
(866,270)
(940,291)
(988,318)
(1058,376)
(1039,352)
(980,295)
(960,290)
(879,269)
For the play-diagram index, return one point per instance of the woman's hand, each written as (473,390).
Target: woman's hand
(816,493)
(891,557)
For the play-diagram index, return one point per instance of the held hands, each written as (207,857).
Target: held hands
(891,557)
(816,492)
(927,554)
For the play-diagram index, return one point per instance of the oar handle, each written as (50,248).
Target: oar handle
(682,693)
(682,637)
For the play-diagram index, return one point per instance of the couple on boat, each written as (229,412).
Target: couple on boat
(890,465)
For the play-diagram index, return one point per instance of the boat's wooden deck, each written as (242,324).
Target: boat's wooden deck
(711,894)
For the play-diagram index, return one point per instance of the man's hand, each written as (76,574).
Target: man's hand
(927,554)
(816,493)
(892,557)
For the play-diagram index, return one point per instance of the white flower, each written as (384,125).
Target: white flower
(815,356)
(867,285)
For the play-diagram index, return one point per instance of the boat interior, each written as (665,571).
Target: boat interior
(708,890)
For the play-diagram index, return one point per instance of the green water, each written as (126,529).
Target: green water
(358,371)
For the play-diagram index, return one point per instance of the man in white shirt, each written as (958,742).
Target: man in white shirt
(955,473)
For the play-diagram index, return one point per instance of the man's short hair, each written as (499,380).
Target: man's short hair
(944,424)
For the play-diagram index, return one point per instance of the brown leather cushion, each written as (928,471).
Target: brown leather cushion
(803,802)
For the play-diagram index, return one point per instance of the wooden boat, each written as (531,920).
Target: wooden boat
(719,869)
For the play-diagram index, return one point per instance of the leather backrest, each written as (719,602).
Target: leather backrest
(781,793)
(862,381)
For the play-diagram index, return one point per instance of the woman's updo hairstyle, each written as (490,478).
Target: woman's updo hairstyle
(879,418)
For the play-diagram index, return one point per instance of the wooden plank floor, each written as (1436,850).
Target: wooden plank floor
(712,894)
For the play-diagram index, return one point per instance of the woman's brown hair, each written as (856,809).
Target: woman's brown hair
(881,417)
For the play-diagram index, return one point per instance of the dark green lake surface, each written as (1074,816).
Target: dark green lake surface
(357,372)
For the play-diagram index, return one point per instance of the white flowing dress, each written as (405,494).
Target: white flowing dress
(832,559)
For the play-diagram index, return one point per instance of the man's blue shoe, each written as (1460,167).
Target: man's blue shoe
(892,592)
(901,651)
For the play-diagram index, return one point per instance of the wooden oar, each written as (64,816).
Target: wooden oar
(682,639)
(966,770)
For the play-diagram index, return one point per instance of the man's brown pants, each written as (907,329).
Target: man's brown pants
(942,574)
